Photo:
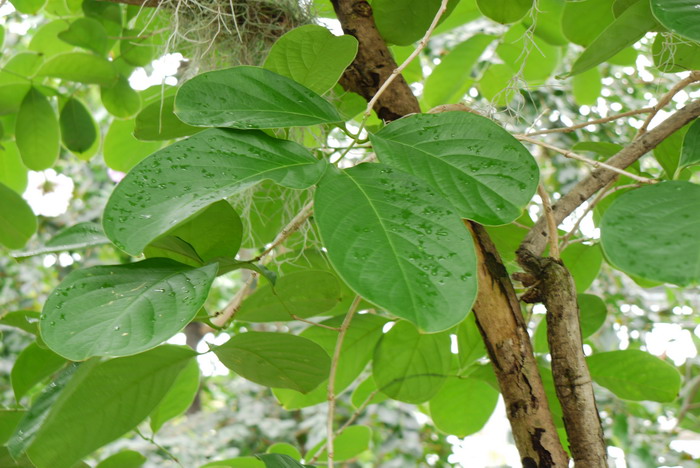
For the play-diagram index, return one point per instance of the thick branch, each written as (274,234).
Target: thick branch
(373,64)
(536,240)
(504,331)
(572,380)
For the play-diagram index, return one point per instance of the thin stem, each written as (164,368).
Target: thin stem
(597,164)
(357,412)
(551,224)
(331,378)
(288,230)
(591,122)
(220,319)
(158,446)
(421,45)
(666,98)
(565,240)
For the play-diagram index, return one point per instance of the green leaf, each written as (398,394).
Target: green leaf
(178,181)
(586,87)
(276,460)
(624,31)
(77,127)
(158,122)
(120,99)
(238,462)
(11,97)
(249,97)
(463,406)
(357,349)
(602,148)
(347,445)
(79,236)
(13,172)
(276,360)
(635,375)
(469,342)
(120,391)
(284,448)
(123,459)
(312,56)
(9,419)
(122,150)
(20,68)
(668,152)
(37,132)
(178,399)
(495,85)
(17,220)
(690,152)
(539,60)
(81,67)
(583,262)
(139,51)
(362,393)
(28,7)
(592,313)
(463,157)
(120,310)
(403,22)
(673,54)
(452,78)
(505,11)
(548,22)
(87,33)
(27,320)
(33,365)
(45,40)
(652,232)
(292,295)
(576,21)
(411,366)
(680,16)
(213,232)
(398,244)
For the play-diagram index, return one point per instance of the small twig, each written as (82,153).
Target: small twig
(597,164)
(158,446)
(310,322)
(227,313)
(602,194)
(357,412)
(397,71)
(331,378)
(591,122)
(551,224)
(666,98)
(288,230)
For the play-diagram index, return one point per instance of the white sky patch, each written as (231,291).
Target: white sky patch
(164,70)
(48,193)
(671,340)
(209,363)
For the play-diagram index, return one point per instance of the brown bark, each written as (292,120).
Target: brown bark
(500,321)
(536,240)
(572,380)
(373,63)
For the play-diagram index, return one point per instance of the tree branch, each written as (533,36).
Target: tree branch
(536,240)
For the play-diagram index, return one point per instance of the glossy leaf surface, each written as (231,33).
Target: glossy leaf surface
(652,232)
(249,97)
(680,16)
(398,244)
(122,309)
(690,152)
(178,181)
(465,158)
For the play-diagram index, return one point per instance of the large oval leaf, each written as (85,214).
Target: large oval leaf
(120,310)
(397,244)
(78,130)
(690,152)
(403,22)
(505,11)
(179,398)
(652,232)
(312,56)
(81,67)
(122,150)
(635,375)
(463,406)
(178,181)
(250,97)
(100,402)
(158,122)
(680,16)
(37,132)
(276,360)
(411,366)
(17,220)
(484,172)
(13,172)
